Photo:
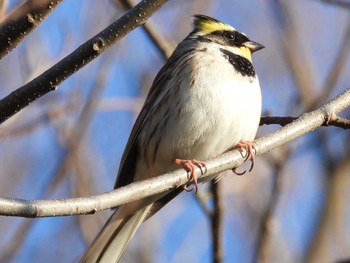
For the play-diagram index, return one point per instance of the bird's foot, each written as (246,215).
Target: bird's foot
(250,154)
(189,166)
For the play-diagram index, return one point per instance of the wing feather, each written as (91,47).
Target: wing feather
(131,153)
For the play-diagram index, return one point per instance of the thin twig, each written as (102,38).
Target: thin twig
(335,69)
(340,3)
(164,183)
(37,122)
(333,120)
(162,44)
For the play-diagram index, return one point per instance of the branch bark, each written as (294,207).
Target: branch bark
(333,120)
(50,79)
(23,21)
(136,191)
(217,223)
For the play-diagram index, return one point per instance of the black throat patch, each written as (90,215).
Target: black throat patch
(241,64)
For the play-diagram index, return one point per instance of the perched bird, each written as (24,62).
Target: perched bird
(205,101)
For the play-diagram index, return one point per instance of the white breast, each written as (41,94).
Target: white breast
(211,111)
(219,110)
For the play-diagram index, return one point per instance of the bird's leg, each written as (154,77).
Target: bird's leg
(189,166)
(250,150)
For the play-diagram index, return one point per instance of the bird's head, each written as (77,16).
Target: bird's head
(212,30)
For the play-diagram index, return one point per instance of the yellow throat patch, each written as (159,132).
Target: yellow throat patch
(245,52)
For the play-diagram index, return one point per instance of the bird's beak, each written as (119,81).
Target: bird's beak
(253,46)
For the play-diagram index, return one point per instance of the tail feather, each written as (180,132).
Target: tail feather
(114,237)
(111,242)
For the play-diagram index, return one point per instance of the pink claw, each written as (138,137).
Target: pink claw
(251,151)
(189,166)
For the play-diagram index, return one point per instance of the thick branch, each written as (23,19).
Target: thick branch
(23,21)
(50,79)
(139,190)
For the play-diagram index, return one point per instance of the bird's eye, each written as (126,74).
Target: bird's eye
(229,35)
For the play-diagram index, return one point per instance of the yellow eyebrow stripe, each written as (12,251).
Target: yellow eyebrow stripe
(207,26)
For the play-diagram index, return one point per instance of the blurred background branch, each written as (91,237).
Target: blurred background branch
(163,45)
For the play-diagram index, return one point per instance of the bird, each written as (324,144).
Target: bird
(205,100)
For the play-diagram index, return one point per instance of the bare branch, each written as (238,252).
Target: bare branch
(335,70)
(216,223)
(163,183)
(3,6)
(23,21)
(201,198)
(163,45)
(50,79)
(37,122)
(280,120)
(336,121)
(333,120)
(340,3)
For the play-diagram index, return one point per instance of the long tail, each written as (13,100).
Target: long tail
(111,242)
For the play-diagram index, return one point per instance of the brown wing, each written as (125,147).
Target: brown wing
(131,151)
